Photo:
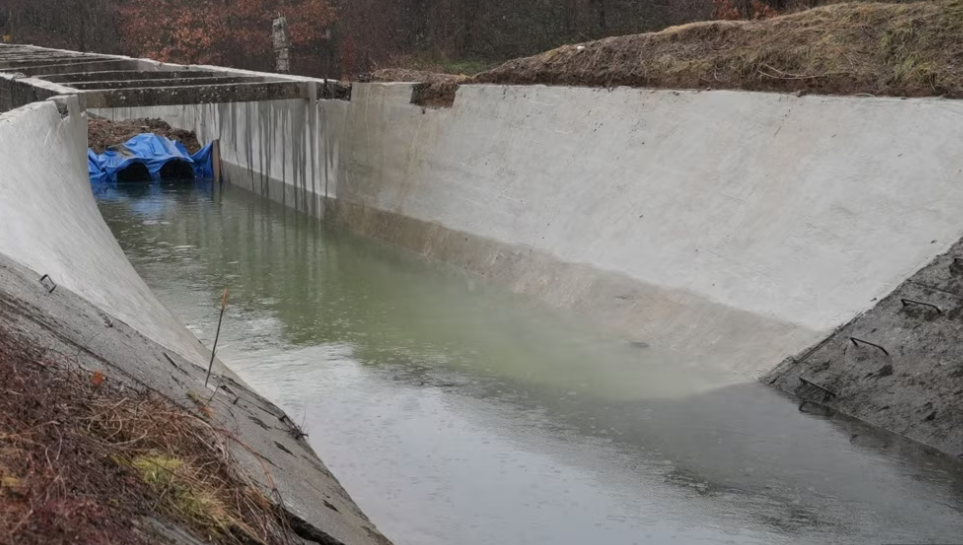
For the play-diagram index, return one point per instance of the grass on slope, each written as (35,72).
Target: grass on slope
(85,462)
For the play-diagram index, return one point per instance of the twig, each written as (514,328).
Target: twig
(21,523)
(788,76)
(210,366)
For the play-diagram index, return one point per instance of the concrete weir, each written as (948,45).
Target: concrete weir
(737,230)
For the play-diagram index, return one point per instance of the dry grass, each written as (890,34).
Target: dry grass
(417,76)
(913,49)
(427,69)
(82,462)
(185,461)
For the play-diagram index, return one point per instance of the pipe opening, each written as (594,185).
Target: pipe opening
(176,170)
(134,173)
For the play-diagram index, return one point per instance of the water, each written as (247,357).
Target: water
(455,413)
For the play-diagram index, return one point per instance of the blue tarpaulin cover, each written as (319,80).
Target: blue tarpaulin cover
(152,151)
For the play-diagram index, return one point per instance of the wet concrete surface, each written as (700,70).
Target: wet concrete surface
(457,413)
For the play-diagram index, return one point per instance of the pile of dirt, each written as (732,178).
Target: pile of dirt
(82,461)
(413,76)
(913,49)
(104,133)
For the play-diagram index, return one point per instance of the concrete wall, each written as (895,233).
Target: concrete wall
(286,150)
(49,222)
(17,91)
(734,228)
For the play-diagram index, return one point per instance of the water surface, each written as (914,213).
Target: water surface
(457,413)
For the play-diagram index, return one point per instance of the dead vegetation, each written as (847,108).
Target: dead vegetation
(913,49)
(104,133)
(434,95)
(85,461)
(434,90)
(413,76)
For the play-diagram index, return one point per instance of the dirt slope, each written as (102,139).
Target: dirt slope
(103,133)
(913,49)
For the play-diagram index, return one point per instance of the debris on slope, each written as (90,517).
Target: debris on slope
(104,133)
(911,49)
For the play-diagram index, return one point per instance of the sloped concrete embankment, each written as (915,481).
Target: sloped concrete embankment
(50,222)
(94,308)
(732,228)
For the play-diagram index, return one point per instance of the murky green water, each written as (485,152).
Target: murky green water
(455,413)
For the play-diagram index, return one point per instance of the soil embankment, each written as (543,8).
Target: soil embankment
(906,50)
(898,366)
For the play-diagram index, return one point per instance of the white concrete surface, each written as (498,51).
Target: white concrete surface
(800,208)
(49,222)
(729,208)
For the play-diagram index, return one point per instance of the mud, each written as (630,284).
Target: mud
(898,366)
(434,95)
(411,76)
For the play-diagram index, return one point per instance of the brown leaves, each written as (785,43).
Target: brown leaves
(204,32)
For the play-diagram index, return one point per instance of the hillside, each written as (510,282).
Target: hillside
(913,49)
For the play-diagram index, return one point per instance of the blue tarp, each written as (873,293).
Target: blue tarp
(152,151)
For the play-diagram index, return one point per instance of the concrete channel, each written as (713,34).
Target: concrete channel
(802,241)
(93,304)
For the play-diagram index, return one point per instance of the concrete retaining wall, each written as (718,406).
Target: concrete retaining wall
(275,148)
(735,228)
(49,222)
